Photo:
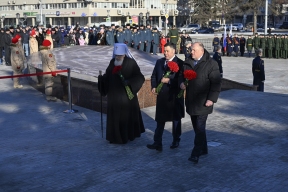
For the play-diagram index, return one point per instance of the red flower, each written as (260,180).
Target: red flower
(116,69)
(189,74)
(173,66)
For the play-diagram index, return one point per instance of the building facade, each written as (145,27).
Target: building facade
(88,12)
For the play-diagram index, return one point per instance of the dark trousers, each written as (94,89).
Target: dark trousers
(176,131)
(200,141)
(260,87)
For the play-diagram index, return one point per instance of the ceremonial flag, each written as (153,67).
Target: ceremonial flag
(224,38)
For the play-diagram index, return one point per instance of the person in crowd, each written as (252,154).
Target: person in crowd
(90,37)
(25,36)
(258,71)
(110,40)
(81,41)
(48,65)
(1,45)
(55,38)
(142,38)
(17,60)
(101,37)
(6,38)
(236,43)
(173,35)
(215,43)
(155,40)
(168,106)
(148,38)
(135,38)
(187,49)
(217,57)
(120,35)
(249,45)
(124,120)
(242,45)
(72,40)
(184,39)
(33,43)
(163,42)
(128,35)
(49,38)
(201,94)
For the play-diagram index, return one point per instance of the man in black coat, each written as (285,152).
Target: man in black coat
(168,106)
(218,59)
(1,45)
(6,38)
(124,119)
(258,70)
(201,93)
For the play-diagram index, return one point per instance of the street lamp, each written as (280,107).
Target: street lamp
(141,17)
(2,21)
(21,20)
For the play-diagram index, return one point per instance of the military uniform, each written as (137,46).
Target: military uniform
(17,61)
(270,46)
(33,44)
(135,39)
(155,41)
(263,45)
(249,45)
(142,38)
(120,37)
(215,43)
(229,46)
(258,73)
(148,40)
(128,36)
(256,42)
(48,65)
(236,43)
(110,38)
(242,45)
(221,43)
(277,47)
(173,35)
(285,47)
(48,37)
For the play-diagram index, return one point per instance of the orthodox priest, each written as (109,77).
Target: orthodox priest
(121,82)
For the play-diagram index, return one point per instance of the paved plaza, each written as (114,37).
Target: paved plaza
(44,149)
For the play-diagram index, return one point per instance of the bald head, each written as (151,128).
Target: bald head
(197,50)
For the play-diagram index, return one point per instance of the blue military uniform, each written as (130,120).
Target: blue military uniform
(155,41)
(258,73)
(128,36)
(142,39)
(110,38)
(148,40)
(120,37)
(229,45)
(135,39)
(215,43)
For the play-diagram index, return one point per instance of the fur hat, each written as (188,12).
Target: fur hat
(14,40)
(46,43)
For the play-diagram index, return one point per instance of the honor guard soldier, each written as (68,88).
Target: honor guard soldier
(277,46)
(135,38)
(184,39)
(282,46)
(49,38)
(48,65)
(173,35)
(236,43)
(270,46)
(263,44)
(273,45)
(155,41)
(128,35)
(242,45)
(33,43)
(285,47)
(120,35)
(249,45)
(229,45)
(17,61)
(148,38)
(258,70)
(217,57)
(142,37)
(256,42)
(215,42)
(110,37)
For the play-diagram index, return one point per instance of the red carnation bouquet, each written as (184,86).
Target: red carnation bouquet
(173,67)
(117,70)
(188,75)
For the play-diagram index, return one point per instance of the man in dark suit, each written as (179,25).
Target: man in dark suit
(168,106)
(201,93)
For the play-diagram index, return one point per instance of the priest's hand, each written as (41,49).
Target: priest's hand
(154,91)
(182,86)
(209,103)
(165,80)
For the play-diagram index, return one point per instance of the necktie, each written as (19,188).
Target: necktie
(195,62)
(165,64)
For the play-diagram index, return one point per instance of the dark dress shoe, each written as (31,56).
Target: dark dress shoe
(174,144)
(153,146)
(194,159)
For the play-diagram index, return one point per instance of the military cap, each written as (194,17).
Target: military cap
(127,24)
(53,29)
(7,29)
(56,27)
(154,28)
(11,27)
(256,33)
(141,25)
(117,26)
(2,29)
(148,24)
(133,24)
(112,24)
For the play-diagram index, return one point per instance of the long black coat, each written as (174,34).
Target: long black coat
(124,120)
(168,107)
(258,70)
(206,86)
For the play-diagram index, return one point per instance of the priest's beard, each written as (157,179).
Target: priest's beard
(118,62)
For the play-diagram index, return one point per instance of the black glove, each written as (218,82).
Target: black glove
(125,83)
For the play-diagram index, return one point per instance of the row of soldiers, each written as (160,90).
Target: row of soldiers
(273,46)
